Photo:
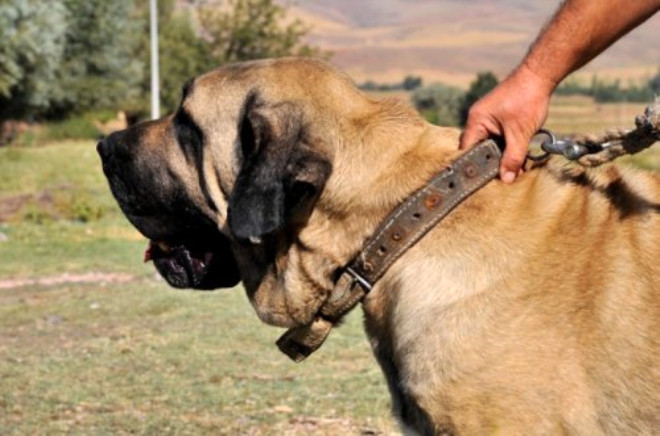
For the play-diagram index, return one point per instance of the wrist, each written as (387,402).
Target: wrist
(541,79)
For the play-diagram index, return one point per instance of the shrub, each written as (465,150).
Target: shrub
(411,83)
(63,204)
(35,214)
(77,205)
(438,103)
(72,128)
(603,91)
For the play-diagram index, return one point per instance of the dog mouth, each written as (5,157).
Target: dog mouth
(194,265)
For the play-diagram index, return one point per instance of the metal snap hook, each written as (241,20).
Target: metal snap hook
(546,145)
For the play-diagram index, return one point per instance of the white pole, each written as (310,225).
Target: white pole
(155,92)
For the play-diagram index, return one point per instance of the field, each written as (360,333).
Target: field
(93,342)
(579,115)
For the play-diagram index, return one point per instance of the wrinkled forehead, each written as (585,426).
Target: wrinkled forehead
(219,93)
(215,104)
(273,80)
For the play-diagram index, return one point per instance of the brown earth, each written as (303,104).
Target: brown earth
(66,278)
(449,40)
(45,200)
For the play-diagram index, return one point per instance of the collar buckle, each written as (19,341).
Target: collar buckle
(359,279)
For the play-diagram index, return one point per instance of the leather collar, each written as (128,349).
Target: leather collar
(400,230)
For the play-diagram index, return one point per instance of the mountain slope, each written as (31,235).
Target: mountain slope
(451,40)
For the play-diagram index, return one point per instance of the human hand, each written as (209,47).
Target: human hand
(515,110)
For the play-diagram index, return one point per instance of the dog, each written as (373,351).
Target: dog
(532,308)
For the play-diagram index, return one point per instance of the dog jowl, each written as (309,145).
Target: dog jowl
(148,175)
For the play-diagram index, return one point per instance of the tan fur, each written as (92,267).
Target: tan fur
(532,308)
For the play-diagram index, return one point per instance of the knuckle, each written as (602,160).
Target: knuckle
(475,111)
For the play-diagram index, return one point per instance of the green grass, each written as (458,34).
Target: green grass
(67,220)
(35,249)
(144,358)
(139,357)
(33,169)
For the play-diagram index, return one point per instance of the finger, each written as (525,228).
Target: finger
(513,159)
(515,153)
(472,134)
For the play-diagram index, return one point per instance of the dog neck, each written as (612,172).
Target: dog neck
(394,153)
(387,153)
(402,228)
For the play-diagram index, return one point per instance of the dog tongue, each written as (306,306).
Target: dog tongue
(197,260)
(155,249)
(149,252)
(192,266)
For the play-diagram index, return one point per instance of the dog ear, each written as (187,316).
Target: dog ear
(280,177)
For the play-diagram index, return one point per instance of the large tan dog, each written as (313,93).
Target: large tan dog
(532,308)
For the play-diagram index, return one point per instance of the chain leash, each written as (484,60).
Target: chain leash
(592,151)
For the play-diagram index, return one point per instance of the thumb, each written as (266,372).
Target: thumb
(514,157)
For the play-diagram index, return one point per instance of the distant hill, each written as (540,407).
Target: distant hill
(451,40)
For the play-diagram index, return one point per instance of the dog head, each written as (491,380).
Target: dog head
(254,177)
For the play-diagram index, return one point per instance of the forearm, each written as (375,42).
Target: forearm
(579,31)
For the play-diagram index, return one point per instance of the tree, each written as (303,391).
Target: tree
(481,86)
(70,56)
(98,69)
(66,56)
(183,55)
(252,29)
(33,35)
(198,38)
